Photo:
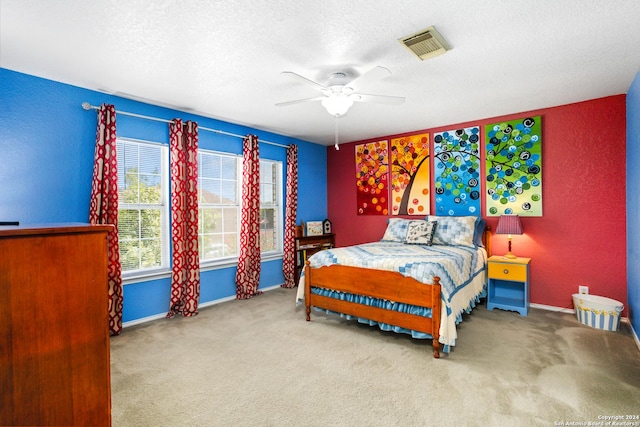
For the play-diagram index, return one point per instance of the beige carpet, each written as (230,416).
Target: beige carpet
(259,363)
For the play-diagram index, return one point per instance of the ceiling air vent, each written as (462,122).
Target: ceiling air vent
(426,43)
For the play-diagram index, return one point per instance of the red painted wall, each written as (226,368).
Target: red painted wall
(579,240)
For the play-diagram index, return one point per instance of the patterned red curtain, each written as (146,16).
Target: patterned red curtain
(291,210)
(185,277)
(103,208)
(248,274)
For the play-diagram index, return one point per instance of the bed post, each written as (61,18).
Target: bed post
(486,239)
(436,302)
(307,289)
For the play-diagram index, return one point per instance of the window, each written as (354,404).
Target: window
(142,205)
(219,178)
(270,206)
(219,206)
(143,211)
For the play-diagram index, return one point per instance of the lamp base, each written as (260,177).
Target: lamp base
(509,254)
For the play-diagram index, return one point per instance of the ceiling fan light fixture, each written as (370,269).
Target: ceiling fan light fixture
(337,104)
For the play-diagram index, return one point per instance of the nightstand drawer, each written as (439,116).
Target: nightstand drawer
(516,273)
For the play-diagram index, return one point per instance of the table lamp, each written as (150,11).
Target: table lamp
(509,224)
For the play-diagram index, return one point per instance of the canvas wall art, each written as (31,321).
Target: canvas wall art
(410,175)
(372,178)
(514,167)
(456,157)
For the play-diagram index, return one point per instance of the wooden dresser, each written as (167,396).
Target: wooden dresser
(54,337)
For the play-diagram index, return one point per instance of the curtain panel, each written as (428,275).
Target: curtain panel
(291,210)
(248,273)
(185,277)
(103,208)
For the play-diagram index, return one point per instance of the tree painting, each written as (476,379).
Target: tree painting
(456,156)
(514,167)
(372,175)
(410,175)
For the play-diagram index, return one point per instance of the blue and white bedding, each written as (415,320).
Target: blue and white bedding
(462,272)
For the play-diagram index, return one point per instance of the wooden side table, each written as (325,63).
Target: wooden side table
(509,284)
(309,245)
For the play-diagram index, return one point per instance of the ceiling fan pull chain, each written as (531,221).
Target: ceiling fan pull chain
(336,131)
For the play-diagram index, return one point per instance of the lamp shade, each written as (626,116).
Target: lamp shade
(509,224)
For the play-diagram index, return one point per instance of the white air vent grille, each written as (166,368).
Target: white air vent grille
(426,43)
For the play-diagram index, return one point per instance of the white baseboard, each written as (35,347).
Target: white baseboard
(203,305)
(143,320)
(565,310)
(572,311)
(552,308)
(635,335)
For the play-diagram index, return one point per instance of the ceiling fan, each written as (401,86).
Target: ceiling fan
(337,96)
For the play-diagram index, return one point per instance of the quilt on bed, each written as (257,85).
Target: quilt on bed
(462,272)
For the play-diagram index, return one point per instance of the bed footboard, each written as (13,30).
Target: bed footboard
(387,285)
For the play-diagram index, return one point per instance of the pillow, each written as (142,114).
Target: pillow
(396,230)
(420,232)
(481,223)
(454,230)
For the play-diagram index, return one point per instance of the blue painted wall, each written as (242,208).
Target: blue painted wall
(46,161)
(633,203)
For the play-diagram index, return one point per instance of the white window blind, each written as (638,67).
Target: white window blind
(270,206)
(142,205)
(219,207)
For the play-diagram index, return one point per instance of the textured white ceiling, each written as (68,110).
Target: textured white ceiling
(223,59)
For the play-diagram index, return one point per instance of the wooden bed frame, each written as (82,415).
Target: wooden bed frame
(388,285)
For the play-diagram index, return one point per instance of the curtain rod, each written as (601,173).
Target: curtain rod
(87,106)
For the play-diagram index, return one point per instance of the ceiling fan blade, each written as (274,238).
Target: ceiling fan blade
(378,99)
(299,101)
(371,76)
(304,80)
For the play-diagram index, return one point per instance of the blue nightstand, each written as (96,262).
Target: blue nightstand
(508,284)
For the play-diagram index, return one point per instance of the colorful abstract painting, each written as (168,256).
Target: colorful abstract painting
(456,158)
(514,167)
(410,175)
(372,177)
